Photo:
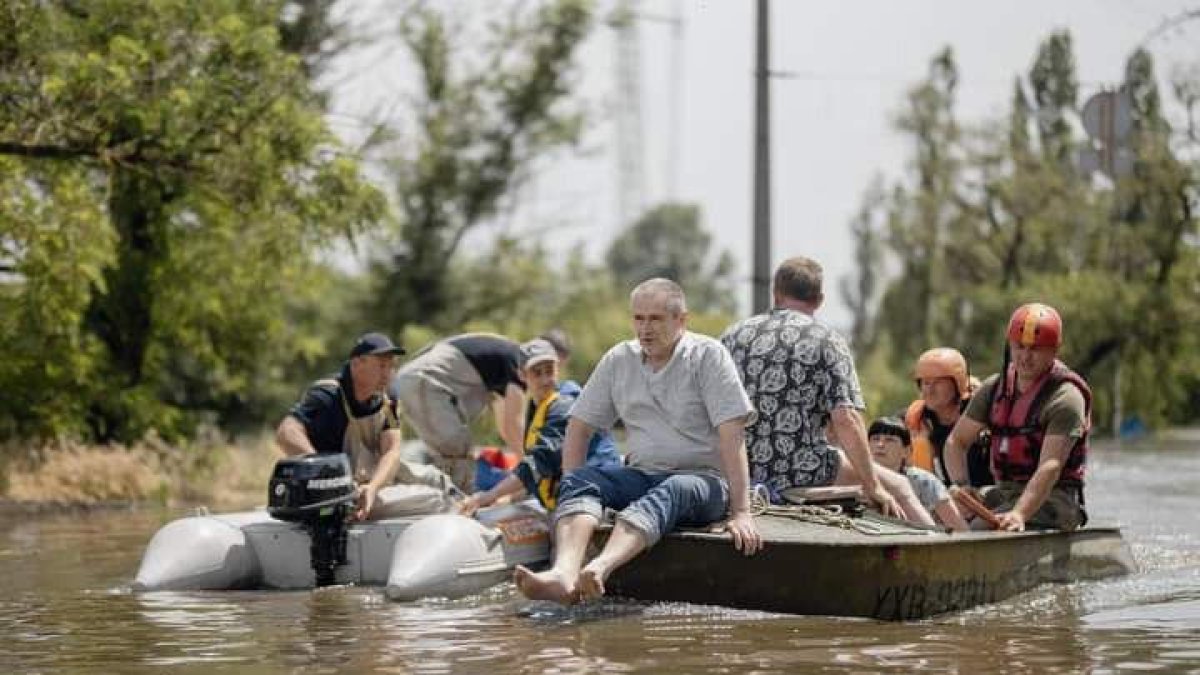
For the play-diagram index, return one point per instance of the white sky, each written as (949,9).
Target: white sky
(851,60)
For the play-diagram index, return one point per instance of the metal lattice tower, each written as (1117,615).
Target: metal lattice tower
(630,147)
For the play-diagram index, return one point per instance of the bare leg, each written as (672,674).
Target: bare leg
(558,583)
(623,545)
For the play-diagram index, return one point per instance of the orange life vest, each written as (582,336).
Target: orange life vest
(922,447)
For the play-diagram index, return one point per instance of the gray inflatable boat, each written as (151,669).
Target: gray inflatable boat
(418,551)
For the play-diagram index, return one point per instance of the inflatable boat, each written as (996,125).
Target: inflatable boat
(417,550)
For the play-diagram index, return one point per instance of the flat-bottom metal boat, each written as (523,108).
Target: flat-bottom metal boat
(868,566)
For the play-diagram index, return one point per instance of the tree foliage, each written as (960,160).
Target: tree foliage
(480,122)
(167,173)
(1001,215)
(521,290)
(670,241)
(861,290)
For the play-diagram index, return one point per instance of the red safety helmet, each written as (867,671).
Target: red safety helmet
(1035,325)
(944,362)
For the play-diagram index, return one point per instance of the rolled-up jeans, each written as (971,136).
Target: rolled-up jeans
(651,502)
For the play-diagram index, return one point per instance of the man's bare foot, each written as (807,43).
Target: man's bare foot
(591,583)
(548,585)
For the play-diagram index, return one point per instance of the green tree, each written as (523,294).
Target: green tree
(1155,218)
(1055,89)
(922,213)
(212,178)
(670,241)
(481,121)
(1008,218)
(307,28)
(860,290)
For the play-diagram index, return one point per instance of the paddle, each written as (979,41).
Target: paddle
(969,501)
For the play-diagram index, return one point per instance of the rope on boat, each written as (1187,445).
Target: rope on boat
(829,516)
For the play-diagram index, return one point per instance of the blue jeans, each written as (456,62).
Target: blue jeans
(652,502)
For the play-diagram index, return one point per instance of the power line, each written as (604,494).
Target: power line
(1168,24)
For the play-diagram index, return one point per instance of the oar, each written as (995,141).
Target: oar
(969,501)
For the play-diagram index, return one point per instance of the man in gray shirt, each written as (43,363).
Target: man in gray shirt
(684,410)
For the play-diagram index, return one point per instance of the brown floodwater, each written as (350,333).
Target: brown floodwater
(65,607)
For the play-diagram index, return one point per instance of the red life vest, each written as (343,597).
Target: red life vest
(1017,437)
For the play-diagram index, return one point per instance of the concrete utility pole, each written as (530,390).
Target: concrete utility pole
(762,164)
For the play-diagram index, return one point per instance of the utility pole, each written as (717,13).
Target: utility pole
(761,296)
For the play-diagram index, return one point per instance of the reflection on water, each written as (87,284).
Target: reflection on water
(65,607)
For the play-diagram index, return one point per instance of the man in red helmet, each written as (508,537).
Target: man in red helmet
(1039,414)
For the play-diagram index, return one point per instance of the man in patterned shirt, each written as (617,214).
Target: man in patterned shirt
(801,378)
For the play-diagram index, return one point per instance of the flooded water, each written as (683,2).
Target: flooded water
(65,607)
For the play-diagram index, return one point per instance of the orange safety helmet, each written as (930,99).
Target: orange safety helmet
(944,362)
(1035,325)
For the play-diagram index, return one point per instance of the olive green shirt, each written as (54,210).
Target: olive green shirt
(1063,414)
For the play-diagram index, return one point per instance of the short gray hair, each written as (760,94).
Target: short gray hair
(676,301)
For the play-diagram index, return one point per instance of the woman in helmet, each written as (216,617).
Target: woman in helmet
(945,385)
(1039,414)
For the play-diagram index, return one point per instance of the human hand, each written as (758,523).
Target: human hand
(366,501)
(1011,521)
(744,530)
(469,505)
(883,500)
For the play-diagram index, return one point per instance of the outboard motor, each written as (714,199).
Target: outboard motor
(318,492)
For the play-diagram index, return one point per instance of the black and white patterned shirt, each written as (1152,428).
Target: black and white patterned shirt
(796,370)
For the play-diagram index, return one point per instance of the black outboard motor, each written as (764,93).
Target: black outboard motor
(318,492)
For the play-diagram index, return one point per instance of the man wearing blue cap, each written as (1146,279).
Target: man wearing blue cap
(352,413)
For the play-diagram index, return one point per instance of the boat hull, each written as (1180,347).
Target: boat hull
(808,568)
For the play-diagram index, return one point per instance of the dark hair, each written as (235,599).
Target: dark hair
(890,426)
(799,278)
(558,338)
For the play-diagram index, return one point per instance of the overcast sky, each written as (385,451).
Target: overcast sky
(847,65)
